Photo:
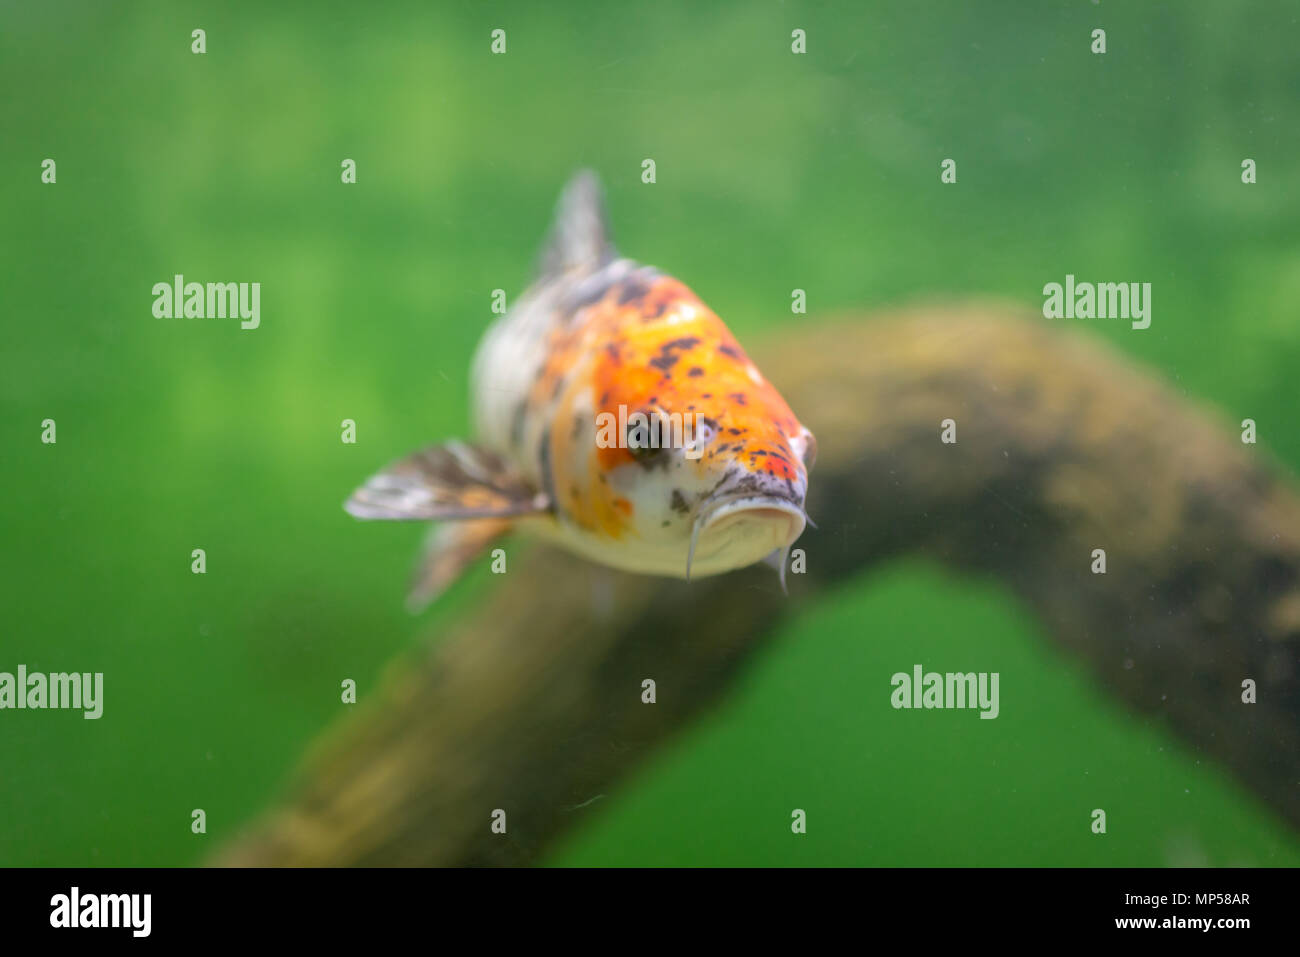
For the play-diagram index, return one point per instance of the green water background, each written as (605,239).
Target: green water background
(775,171)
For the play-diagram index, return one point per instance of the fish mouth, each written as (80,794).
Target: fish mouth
(781,519)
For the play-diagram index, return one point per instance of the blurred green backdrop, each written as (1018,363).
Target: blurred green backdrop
(775,171)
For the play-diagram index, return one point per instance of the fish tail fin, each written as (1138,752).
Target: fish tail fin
(580,237)
(449,549)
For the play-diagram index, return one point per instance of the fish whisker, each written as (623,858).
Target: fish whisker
(695,535)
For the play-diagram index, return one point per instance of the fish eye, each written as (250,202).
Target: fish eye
(706,430)
(642,440)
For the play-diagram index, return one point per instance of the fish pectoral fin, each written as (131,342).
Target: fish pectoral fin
(447,552)
(450,481)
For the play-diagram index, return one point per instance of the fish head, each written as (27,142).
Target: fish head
(708,462)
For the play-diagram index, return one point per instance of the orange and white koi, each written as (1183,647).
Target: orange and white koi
(600,339)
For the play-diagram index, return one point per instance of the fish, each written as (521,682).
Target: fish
(616,416)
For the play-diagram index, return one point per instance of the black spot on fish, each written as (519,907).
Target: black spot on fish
(668,352)
(729,351)
(738,396)
(707,395)
(726,477)
(678,502)
(749,485)
(577,426)
(695,371)
(634,288)
(650,459)
(612,351)
(735,431)
(685,342)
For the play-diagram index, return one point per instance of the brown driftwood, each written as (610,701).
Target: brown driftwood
(533,703)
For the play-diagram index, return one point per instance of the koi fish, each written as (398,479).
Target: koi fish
(596,343)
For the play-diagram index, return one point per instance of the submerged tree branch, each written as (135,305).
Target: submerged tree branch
(533,703)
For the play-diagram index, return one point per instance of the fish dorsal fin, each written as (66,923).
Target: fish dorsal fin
(580,237)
